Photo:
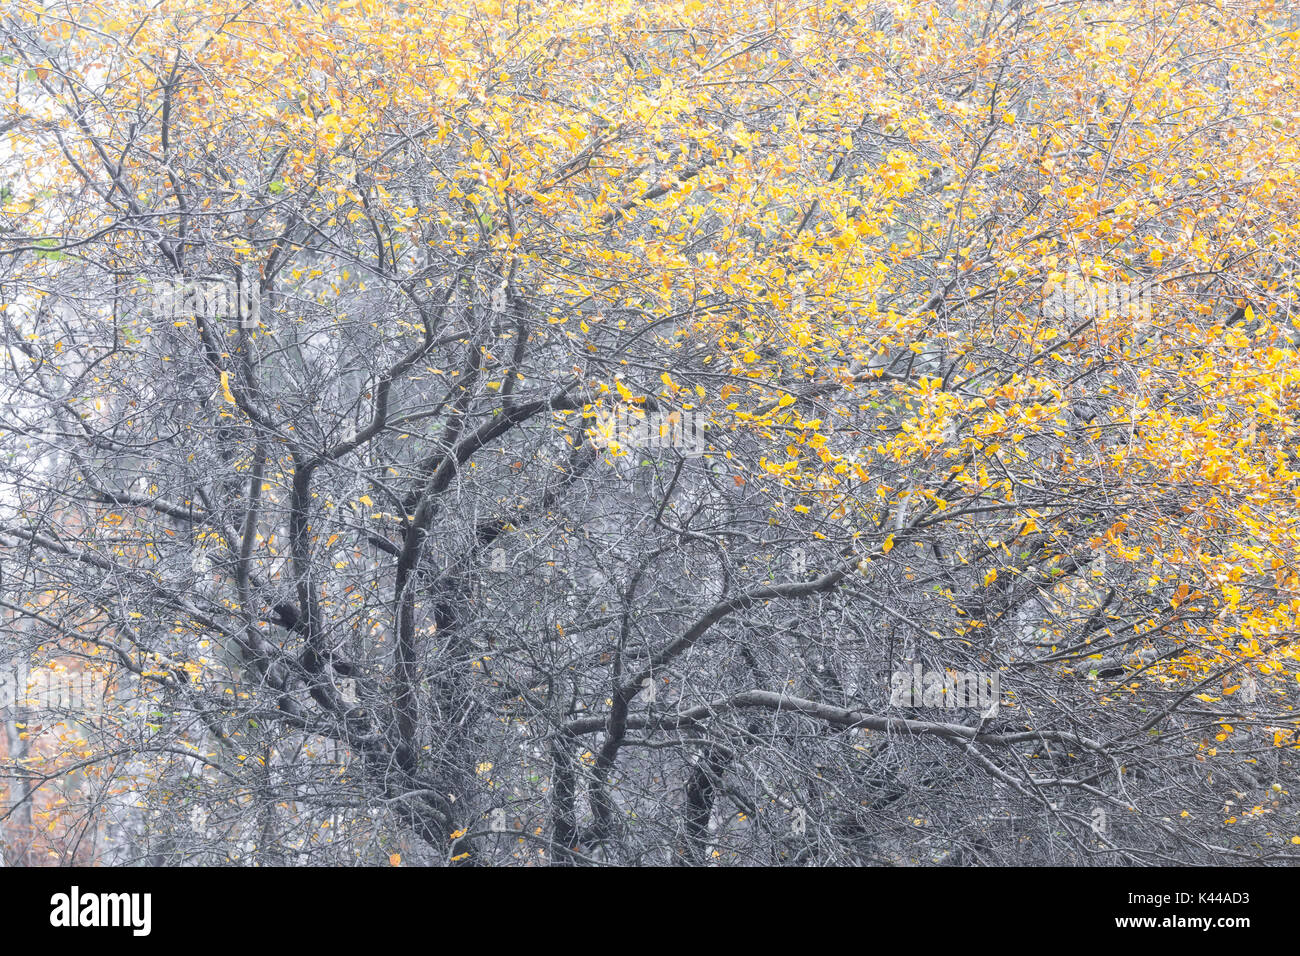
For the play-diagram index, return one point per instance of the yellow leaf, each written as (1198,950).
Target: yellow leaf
(365,500)
(225,387)
(395,860)
(888,545)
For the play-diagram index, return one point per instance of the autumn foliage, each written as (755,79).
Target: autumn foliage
(837,233)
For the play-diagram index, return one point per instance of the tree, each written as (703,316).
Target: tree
(353,351)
